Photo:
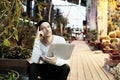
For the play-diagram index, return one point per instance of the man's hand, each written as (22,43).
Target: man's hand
(51,60)
(39,34)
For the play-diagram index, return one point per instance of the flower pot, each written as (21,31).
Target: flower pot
(92,43)
(7,74)
(114,51)
(102,46)
(19,65)
(107,50)
(88,41)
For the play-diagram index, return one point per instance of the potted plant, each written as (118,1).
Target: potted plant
(16,40)
(107,49)
(114,48)
(94,34)
(15,49)
(8,74)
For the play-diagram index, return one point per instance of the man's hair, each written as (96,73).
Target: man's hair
(40,22)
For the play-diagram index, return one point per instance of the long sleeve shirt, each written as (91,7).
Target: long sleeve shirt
(40,50)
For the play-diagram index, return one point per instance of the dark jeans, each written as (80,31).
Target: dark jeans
(48,71)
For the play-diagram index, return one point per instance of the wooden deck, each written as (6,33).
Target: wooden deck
(86,64)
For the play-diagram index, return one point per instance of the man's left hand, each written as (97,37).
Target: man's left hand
(51,60)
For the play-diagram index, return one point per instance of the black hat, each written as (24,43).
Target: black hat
(40,22)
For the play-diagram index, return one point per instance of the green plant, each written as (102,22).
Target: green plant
(12,35)
(19,44)
(9,75)
(10,11)
(18,53)
(93,34)
(15,52)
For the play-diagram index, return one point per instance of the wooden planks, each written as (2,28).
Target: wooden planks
(86,64)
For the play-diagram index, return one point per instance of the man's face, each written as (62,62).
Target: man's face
(46,28)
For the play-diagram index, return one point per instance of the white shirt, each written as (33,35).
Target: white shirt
(39,50)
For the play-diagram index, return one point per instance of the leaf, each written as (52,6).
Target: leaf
(6,42)
(40,7)
(16,35)
(40,16)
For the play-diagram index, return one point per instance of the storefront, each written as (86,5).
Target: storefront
(103,16)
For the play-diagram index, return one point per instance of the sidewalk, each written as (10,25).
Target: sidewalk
(87,64)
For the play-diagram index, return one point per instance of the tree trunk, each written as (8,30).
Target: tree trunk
(50,9)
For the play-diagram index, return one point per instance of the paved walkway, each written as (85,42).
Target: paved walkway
(87,64)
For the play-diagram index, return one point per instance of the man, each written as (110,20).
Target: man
(48,68)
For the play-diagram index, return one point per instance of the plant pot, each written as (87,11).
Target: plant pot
(114,51)
(102,46)
(88,41)
(107,50)
(7,74)
(92,43)
(19,65)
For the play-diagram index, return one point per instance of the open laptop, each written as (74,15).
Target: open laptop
(63,51)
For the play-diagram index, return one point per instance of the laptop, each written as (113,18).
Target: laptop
(63,51)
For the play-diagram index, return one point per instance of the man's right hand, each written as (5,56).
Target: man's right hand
(39,34)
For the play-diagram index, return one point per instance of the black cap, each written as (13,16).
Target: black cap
(40,22)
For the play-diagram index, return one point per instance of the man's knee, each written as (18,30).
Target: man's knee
(32,66)
(32,71)
(66,68)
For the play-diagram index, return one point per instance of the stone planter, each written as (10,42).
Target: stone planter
(19,65)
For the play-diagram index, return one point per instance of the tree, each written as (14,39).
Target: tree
(61,22)
(10,11)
